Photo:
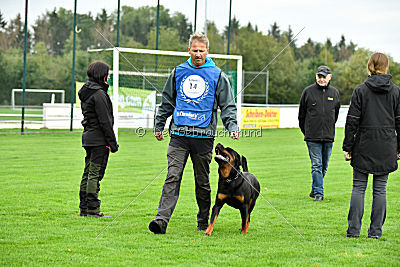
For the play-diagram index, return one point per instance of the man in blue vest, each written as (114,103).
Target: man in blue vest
(192,94)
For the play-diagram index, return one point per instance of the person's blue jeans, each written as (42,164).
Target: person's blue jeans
(319,155)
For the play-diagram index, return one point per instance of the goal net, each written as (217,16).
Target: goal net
(138,77)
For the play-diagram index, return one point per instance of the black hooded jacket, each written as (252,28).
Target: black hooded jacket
(371,125)
(98,119)
(318,112)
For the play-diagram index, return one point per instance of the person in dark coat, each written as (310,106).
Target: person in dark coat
(318,112)
(98,136)
(371,143)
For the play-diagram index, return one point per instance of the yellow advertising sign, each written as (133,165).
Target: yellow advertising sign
(256,118)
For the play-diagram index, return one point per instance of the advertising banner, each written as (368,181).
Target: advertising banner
(256,118)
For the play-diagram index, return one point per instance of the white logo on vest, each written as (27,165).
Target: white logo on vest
(194,88)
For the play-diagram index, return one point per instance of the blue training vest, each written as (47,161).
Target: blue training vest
(195,93)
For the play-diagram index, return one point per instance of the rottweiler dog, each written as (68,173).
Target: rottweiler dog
(235,188)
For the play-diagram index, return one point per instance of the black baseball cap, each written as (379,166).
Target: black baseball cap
(323,70)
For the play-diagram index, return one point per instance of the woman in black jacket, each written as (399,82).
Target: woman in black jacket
(98,136)
(371,143)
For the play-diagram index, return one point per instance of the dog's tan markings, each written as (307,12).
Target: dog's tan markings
(210,227)
(225,169)
(222,196)
(240,198)
(248,214)
(245,230)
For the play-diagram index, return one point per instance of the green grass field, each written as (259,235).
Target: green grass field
(40,177)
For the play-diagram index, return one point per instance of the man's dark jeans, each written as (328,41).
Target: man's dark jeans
(320,154)
(378,212)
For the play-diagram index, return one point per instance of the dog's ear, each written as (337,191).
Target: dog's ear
(238,163)
(244,164)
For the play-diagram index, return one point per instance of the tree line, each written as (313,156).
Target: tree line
(50,50)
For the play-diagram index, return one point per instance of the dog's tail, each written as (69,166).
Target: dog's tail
(244,164)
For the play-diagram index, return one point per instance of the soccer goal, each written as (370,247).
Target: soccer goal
(36,97)
(139,75)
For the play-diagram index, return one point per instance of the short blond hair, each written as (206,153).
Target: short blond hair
(198,37)
(378,63)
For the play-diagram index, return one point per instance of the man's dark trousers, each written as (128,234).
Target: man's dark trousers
(95,165)
(179,149)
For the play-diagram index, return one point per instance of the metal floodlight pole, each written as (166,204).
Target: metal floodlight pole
(195,15)
(24,75)
(266,88)
(118,19)
(157,31)
(229,28)
(229,34)
(205,18)
(73,70)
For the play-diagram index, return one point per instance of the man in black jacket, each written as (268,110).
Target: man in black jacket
(98,136)
(318,113)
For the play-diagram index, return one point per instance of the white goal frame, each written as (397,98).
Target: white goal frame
(115,70)
(57,91)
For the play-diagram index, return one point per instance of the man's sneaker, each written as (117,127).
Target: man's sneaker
(158,226)
(202,227)
(318,198)
(83,213)
(373,236)
(312,194)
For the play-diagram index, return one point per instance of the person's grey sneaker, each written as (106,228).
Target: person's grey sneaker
(158,226)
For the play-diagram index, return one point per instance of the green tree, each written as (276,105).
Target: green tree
(326,57)
(217,44)
(275,32)
(258,51)
(69,43)
(351,73)
(60,27)
(234,29)
(15,33)
(168,39)
(3,23)
(102,19)
(181,24)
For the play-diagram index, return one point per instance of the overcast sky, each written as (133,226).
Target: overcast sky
(368,23)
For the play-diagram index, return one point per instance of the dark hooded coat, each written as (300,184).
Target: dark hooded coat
(98,119)
(371,126)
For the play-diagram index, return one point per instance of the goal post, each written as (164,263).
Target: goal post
(43,91)
(140,75)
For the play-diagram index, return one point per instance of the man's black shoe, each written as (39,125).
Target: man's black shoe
(312,195)
(158,226)
(318,198)
(202,227)
(373,236)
